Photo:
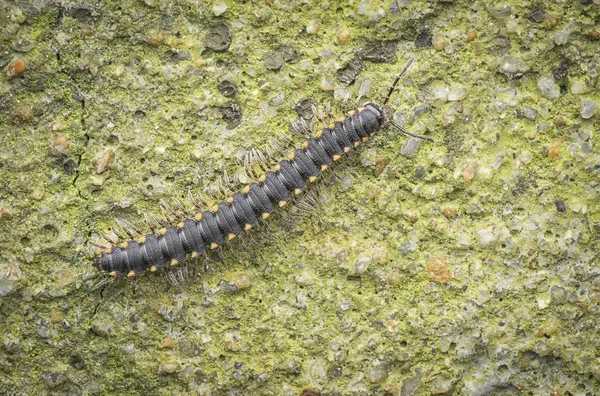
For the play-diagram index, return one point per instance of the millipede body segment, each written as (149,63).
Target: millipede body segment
(210,229)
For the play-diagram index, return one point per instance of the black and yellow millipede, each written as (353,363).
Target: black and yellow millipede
(210,229)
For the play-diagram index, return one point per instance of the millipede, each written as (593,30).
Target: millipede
(209,229)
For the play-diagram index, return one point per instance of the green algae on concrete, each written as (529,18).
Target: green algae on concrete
(468,266)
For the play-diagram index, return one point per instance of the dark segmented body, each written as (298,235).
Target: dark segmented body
(210,229)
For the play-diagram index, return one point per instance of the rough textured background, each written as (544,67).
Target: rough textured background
(470,268)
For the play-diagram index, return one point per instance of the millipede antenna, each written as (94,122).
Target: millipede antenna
(415,135)
(398,76)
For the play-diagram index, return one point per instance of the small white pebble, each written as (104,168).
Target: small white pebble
(543,301)
(561,38)
(219,8)
(440,93)
(588,108)
(578,87)
(457,94)
(439,41)
(312,27)
(327,83)
(62,38)
(512,26)
(362,265)
(548,87)
(525,157)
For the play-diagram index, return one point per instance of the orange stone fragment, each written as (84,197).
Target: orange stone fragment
(438,270)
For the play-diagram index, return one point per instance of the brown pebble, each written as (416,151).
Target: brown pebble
(243,281)
(450,213)
(343,35)
(372,192)
(432,224)
(58,126)
(554,150)
(168,343)
(105,160)
(381,162)
(550,21)
(448,120)
(59,145)
(16,68)
(3,213)
(156,38)
(169,368)
(560,122)
(546,330)
(65,277)
(438,270)
(594,34)
(468,173)
(23,114)
(383,257)
(472,35)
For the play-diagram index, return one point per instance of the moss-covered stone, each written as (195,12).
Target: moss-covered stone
(344,300)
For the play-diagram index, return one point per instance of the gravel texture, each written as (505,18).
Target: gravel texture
(466,266)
